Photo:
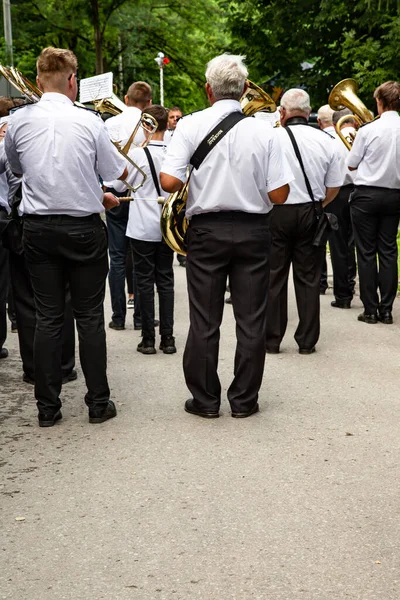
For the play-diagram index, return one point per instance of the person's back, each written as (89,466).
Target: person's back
(137,98)
(73,145)
(64,237)
(230,198)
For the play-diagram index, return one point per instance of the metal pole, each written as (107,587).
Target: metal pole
(8,38)
(161,86)
(120,69)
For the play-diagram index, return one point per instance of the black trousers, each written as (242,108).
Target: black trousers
(222,245)
(25,311)
(375,214)
(341,244)
(153,266)
(4,281)
(293,228)
(60,249)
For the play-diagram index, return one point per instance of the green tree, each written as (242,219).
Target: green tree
(124,36)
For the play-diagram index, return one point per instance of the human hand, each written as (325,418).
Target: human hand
(110,201)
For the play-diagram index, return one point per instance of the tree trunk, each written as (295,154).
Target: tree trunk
(98,38)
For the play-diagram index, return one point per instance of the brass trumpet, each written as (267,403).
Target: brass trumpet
(344,95)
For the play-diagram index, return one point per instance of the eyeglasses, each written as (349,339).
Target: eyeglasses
(76,78)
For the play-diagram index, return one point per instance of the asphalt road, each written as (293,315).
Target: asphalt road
(300,501)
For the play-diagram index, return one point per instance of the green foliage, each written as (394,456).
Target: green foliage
(341,38)
(189,32)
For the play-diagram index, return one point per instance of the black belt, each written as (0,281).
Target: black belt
(63,218)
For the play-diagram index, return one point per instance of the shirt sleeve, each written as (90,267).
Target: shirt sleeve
(11,151)
(357,151)
(110,163)
(178,155)
(3,159)
(278,170)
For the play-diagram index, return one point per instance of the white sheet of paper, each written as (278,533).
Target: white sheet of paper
(96,88)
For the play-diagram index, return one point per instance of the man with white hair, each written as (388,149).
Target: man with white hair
(324,118)
(230,198)
(293,225)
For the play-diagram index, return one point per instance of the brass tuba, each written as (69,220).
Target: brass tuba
(173,222)
(344,95)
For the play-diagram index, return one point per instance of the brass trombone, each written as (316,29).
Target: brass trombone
(344,95)
(33,94)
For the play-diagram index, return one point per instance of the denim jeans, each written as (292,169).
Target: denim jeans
(118,246)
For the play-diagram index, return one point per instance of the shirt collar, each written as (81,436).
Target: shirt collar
(389,113)
(56,97)
(223,106)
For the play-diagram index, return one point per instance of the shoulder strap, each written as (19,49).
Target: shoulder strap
(153,171)
(212,139)
(298,156)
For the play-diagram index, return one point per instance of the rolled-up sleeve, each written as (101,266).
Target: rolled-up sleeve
(110,163)
(178,155)
(278,170)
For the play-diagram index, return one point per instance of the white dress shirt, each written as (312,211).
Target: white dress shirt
(376,152)
(144,214)
(121,126)
(60,149)
(240,170)
(321,161)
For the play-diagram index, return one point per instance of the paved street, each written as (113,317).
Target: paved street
(300,501)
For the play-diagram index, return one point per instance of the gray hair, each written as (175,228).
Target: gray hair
(325,114)
(296,100)
(227,76)
(338,114)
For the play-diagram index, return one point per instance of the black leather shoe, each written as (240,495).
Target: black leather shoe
(115,326)
(272,350)
(3,353)
(47,420)
(322,291)
(385,317)
(307,350)
(341,304)
(14,327)
(146,346)
(71,376)
(167,344)
(191,408)
(109,412)
(243,415)
(228,300)
(370,319)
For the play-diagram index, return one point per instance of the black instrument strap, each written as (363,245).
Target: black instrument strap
(153,171)
(298,156)
(212,139)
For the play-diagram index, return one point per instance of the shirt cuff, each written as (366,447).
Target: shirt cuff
(177,173)
(279,183)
